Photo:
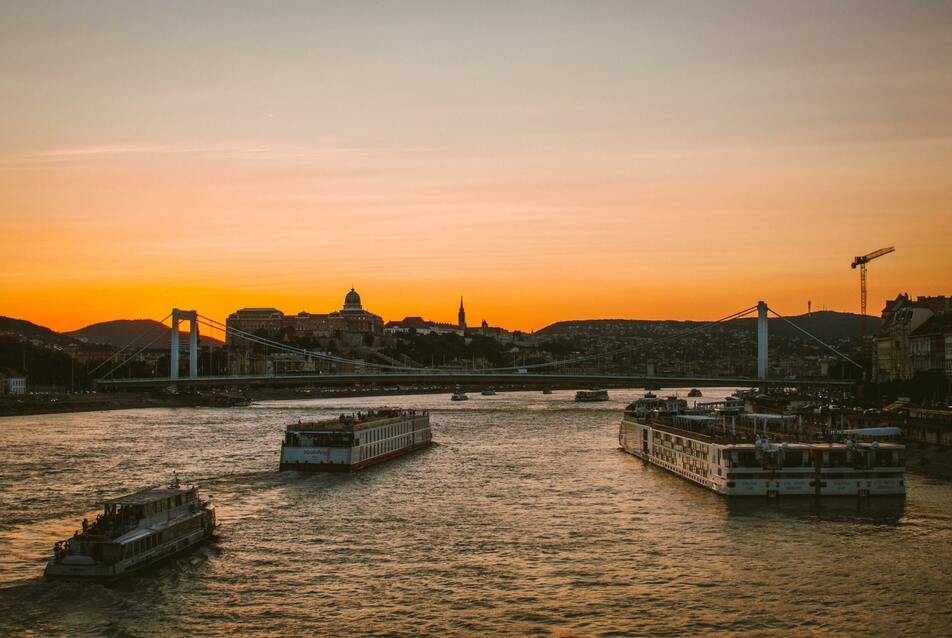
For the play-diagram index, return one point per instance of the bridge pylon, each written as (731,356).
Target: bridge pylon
(192,317)
(762,340)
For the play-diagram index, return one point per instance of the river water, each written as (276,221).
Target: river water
(523,519)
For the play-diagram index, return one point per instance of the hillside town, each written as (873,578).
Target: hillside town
(911,346)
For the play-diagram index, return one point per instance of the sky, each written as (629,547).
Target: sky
(545,160)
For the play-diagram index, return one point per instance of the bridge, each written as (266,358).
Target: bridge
(541,375)
(468,380)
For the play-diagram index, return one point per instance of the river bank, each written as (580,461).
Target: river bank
(65,403)
(934,461)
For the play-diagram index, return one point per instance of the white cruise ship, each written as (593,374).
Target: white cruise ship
(134,531)
(354,441)
(758,454)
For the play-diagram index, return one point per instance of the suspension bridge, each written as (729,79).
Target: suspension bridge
(369,374)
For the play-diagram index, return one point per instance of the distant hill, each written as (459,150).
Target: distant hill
(826,325)
(33,331)
(121,332)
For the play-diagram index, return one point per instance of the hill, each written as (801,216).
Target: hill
(30,330)
(826,325)
(120,332)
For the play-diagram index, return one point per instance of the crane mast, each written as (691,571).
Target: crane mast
(861,261)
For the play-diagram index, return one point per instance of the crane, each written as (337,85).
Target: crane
(861,262)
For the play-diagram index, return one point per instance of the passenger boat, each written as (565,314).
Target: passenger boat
(546,391)
(488,392)
(134,531)
(695,393)
(354,441)
(459,395)
(591,395)
(738,455)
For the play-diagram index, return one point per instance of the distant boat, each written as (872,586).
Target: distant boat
(488,392)
(546,391)
(459,395)
(591,395)
(695,393)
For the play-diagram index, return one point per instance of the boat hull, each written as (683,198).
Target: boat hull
(129,565)
(351,467)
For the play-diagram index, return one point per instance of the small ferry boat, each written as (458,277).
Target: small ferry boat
(546,391)
(459,395)
(737,454)
(591,395)
(488,392)
(134,531)
(354,441)
(695,393)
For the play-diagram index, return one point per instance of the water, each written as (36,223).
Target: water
(523,519)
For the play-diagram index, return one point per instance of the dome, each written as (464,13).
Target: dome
(352,302)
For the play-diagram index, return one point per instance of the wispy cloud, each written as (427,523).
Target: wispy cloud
(249,151)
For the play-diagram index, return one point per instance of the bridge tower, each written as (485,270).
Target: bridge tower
(192,317)
(762,340)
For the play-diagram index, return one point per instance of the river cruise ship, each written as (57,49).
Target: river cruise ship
(134,531)
(591,395)
(759,454)
(354,441)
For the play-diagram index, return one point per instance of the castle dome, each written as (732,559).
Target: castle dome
(352,301)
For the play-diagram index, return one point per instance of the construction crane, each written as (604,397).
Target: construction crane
(861,262)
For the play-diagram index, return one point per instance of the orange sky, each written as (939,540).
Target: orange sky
(547,161)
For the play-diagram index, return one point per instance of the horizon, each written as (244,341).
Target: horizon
(545,160)
(167,323)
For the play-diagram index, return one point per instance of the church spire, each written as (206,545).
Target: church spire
(462,315)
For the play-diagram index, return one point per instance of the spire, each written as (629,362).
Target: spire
(462,315)
(461,304)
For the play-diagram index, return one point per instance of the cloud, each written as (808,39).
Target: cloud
(255,151)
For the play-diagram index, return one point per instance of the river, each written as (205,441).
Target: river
(524,518)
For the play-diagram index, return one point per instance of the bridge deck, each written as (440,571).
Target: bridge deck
(467,379)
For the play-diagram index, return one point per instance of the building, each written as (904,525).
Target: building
(350,323)
(420,326)
(15,385)
(913,336)
(927,345)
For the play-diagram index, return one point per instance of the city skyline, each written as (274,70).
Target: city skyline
(549,161)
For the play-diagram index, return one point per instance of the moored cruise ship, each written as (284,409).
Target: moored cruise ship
(758,454)
(591,395)
(134,531)
(354,441)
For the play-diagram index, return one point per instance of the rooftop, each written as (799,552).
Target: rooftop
(148,495)
(358,421)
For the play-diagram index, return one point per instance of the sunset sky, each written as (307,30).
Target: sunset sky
(546,160)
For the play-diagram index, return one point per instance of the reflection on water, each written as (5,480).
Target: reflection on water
(888,510)
(524,518)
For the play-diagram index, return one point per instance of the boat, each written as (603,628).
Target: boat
(546,391)
(591,395)
(459,395)
(134,531)
(354,441)
(695,393)
(488,392)
(756,454)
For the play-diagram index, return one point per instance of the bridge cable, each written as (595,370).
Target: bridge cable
(135,354)
(118,352)
(295,350)
(815,338)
